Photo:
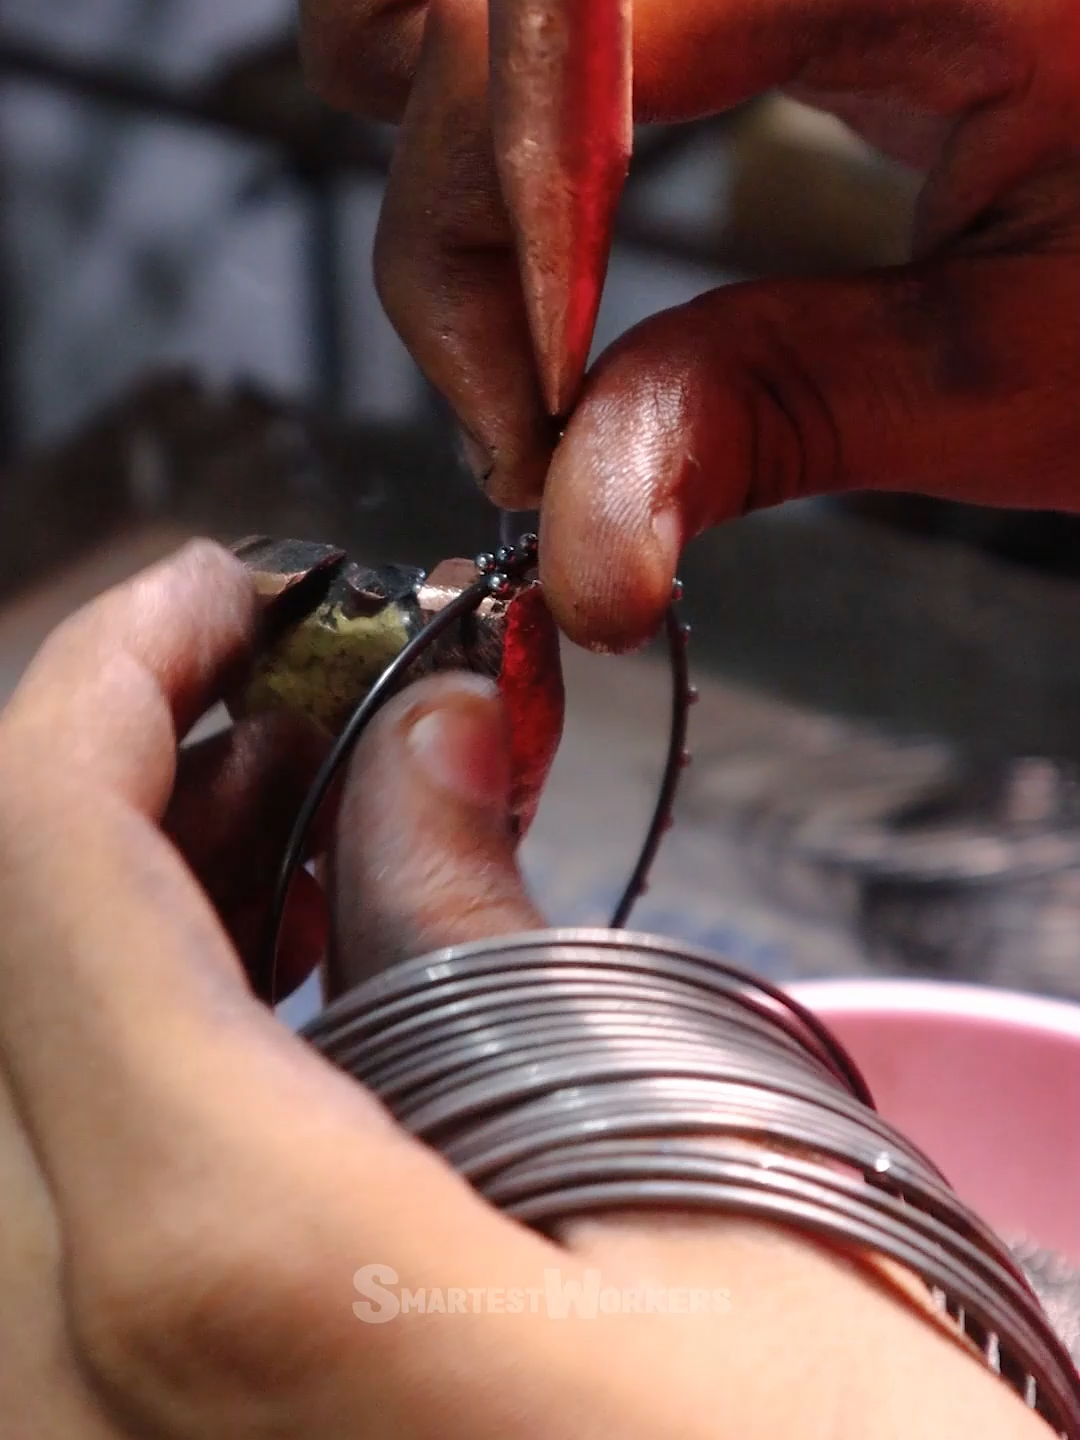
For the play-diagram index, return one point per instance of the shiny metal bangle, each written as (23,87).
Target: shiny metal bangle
(571,1072)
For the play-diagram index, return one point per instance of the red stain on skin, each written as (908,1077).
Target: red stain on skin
(532,689)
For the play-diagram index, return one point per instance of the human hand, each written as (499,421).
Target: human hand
(187,1190)
(955,376)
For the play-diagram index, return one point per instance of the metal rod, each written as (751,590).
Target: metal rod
(322,255)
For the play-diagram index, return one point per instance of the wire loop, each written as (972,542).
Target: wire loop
(498,575)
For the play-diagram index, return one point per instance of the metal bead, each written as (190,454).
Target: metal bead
(677,591)
(693,695)
(485,563)
(528,545)
(504,554)
(685,758)
(685,632)
(500,585)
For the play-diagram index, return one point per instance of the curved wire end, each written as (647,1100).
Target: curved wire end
(683,696)
(498,574)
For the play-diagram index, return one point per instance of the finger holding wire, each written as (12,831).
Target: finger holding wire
(498,575)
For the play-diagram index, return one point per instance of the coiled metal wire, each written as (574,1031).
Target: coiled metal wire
(572,1072)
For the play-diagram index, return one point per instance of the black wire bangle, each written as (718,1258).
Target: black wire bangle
(499,573)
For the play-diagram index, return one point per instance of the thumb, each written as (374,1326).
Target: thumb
(425,847)
(955,378)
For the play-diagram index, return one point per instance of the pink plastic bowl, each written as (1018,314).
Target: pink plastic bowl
(987,1082)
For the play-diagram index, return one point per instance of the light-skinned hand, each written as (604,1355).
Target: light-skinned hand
(187,1191)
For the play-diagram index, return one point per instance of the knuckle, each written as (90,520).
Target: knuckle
(69,637)
(793,433)
(362,56)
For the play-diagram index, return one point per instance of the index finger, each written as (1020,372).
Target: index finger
(99,909)
(116,685)
(216,1184)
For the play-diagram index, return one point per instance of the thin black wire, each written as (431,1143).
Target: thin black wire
(677,759)
(464,605)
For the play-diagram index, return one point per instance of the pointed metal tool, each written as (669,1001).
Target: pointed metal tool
(562,112)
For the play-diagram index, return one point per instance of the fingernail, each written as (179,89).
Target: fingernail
(461,745)
(476,456)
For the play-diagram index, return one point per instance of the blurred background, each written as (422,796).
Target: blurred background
(190,342)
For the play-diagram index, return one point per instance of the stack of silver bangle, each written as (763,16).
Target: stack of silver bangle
(570,1072)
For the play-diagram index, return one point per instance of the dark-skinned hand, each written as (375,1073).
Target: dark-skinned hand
(955,376)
